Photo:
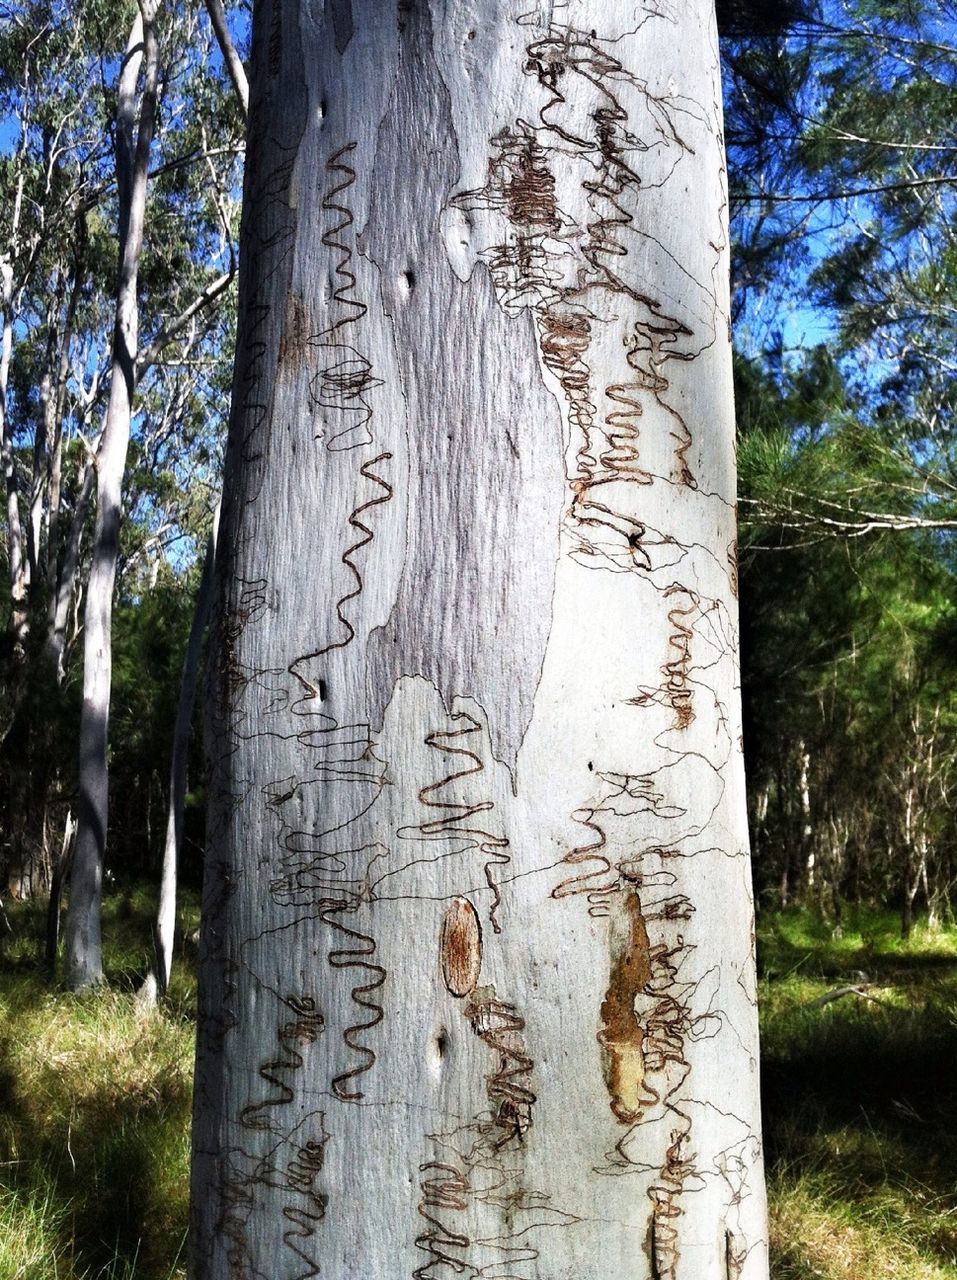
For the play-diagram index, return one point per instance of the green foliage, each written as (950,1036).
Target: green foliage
(849,600)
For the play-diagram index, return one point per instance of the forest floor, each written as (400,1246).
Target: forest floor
(860,1098)
(860,1104)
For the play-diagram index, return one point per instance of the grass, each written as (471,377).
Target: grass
(860,1104)
(94,1112)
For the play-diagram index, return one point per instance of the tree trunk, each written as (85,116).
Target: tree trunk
(17,562)
(166,915)
(60,871)
(54,448)
(231,58)
(83,948)
(477,988)
(61,599)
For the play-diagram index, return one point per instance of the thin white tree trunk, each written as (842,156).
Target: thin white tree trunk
(83,944)
(16,560)
(54,448)
(477,991)
(38,482)
(166,914)
(61,598)
(60,870)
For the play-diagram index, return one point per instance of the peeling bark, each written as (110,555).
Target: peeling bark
(477,976)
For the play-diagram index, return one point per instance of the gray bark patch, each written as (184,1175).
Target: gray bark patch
(478,426)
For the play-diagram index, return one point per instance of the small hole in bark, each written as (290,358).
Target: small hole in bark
(442,1043)
(407,281)
(322,109)
(322,690)
(590,766)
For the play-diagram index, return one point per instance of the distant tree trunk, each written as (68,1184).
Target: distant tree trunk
(16,559)
(477,989)
(911,885)
(54,450)
(61,869)
(83,948)
(808,845)
(166,915)
(62,596)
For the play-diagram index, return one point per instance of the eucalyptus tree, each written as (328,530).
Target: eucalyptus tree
(51,260)
(477,989)
(43,236)
(135,125)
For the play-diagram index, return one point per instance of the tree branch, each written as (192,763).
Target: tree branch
(168,332)
(819,197)
(217,16)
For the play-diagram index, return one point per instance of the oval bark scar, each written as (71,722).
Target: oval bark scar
(460,947)
(621,1036)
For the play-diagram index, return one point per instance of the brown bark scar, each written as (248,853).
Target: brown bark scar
(294,342)
(621,1036)
(460,947)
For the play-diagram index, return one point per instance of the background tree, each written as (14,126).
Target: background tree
(135,125)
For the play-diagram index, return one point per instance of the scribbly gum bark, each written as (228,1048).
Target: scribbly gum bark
(477,994)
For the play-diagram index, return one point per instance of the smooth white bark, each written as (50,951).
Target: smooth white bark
(178,777)
(477,992)
(134,135)
(17,561)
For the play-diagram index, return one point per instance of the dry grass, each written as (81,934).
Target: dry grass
(817,1235)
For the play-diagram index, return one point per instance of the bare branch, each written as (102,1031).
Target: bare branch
(172,327)
(217,16)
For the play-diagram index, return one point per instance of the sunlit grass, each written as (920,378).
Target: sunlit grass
(860,1104)
(94,1115)
(800,942)
(818,1234)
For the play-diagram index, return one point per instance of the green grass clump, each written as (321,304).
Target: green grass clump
(95,1097)
(868,940)
(817,1234)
